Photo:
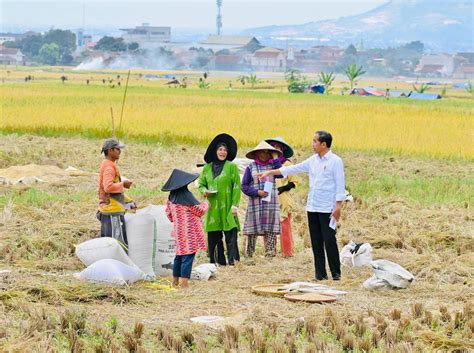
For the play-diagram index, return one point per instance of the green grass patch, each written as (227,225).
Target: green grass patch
(427,191)
(36,197)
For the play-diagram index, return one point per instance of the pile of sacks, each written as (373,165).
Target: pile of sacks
(107,262)
(151,250)
(387,274)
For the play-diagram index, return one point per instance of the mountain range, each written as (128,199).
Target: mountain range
(440,24)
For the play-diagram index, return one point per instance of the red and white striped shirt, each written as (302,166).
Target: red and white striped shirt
(188,231)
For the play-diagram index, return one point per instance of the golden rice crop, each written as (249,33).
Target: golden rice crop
(439,129)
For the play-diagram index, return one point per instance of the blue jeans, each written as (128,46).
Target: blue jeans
(183,265)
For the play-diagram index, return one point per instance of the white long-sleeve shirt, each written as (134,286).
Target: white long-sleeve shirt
(326,181)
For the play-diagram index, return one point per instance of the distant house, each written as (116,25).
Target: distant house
(220,42)
(91,45)
(11,56)
(268,59)
(464,66)
(430,70)
(186,57)
(86,39)
(465,72)
(7,37)
(308,65)
(147,36)
(435,65)
(12,37)
(326,55)
(467,57)
(227,62)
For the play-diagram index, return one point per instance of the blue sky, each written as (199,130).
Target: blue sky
(237,14)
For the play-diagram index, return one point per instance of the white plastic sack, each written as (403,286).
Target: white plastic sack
(356,256)
(375,283)
(141,235)
(97,249)
(110,271)
(203,272)
(164,252)
(206,319)
(393,273)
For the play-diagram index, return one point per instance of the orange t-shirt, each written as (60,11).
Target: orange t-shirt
(109,183)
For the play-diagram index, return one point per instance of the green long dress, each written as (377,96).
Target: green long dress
(227,184)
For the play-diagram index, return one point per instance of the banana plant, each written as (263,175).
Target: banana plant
(327,79)
(352,73)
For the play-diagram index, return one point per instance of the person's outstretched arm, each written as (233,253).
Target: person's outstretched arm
(302,167)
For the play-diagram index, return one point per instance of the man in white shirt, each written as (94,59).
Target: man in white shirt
(326,193)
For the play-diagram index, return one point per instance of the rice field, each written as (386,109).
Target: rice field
(155,112)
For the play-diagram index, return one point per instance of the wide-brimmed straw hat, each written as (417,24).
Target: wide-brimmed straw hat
(262,146)
(178,179)
(287,151)
(221,138)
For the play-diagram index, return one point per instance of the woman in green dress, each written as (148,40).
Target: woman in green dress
(219,182)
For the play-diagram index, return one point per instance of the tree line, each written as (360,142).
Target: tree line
(55,47)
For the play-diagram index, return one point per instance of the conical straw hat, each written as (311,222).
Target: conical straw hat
(263,145)
(288,151)
(178,179)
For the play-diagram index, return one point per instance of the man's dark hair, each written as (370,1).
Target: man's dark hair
(324,136)
(106,153)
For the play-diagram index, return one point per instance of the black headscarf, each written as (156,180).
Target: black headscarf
(217,164)
(183,196)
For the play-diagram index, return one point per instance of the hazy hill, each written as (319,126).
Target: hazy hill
(442,25)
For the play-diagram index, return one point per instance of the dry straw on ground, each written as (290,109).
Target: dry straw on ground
(41,224)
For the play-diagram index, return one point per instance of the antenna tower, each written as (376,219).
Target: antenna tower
(219,17)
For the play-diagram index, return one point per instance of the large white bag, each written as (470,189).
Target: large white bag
(356,255)
(111,271)
(165,243)
(392,273)
(141,235)
(97,249)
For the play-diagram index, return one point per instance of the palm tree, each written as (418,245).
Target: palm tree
(292,75)
(353,72)
(327,80)
(422,89)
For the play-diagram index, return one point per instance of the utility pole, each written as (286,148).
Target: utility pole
(219,17)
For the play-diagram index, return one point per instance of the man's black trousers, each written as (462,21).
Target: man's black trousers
(323,238)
